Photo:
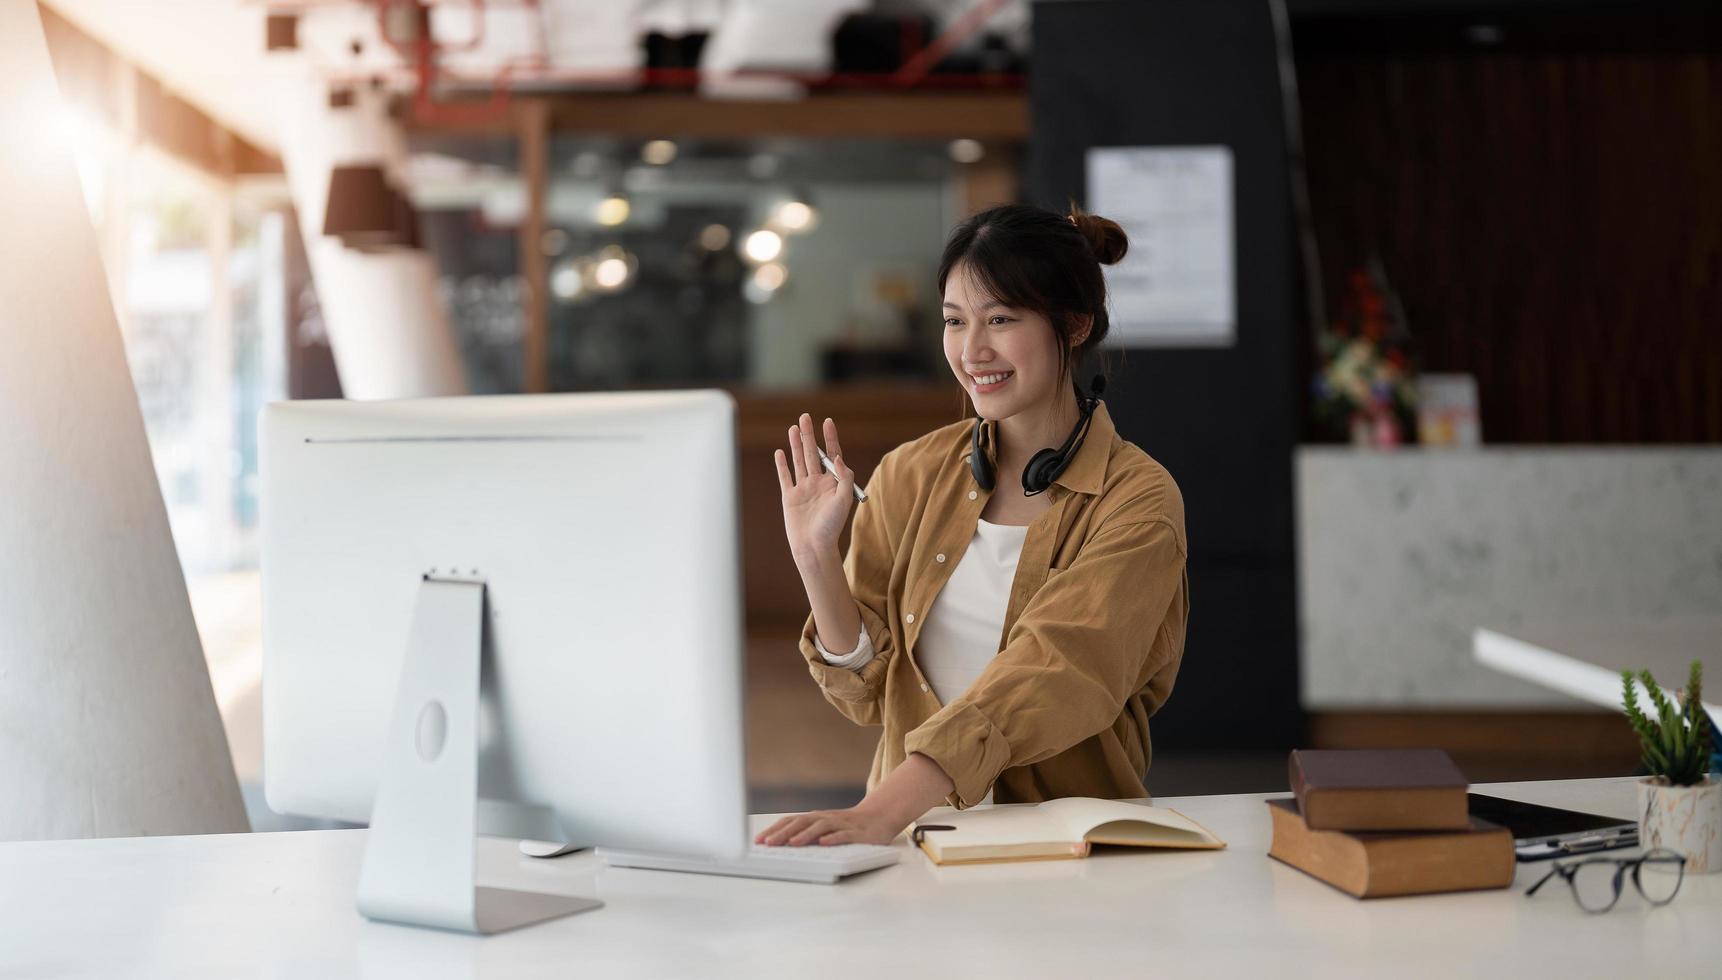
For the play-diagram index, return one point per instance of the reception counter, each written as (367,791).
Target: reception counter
(1403,554)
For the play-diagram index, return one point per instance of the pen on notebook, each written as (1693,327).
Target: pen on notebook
(831,468)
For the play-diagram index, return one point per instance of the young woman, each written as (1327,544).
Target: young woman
(1013,620)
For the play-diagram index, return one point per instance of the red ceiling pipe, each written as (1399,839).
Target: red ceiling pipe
(422,53)
(921,65)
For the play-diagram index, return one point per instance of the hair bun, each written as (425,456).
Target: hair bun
(1105,237)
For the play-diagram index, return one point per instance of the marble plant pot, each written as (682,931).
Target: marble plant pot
(1684,819)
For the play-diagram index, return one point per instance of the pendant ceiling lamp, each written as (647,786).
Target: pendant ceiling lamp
(366,211)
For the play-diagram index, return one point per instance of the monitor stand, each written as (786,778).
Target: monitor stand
(419,857)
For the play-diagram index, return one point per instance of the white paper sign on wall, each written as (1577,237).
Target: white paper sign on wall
(1177,284)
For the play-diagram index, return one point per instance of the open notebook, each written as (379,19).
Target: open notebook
(1055,829)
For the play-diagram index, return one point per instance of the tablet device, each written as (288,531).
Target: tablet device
(1542,832)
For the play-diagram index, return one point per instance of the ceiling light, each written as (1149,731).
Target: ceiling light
(714,237)
(765,282)
(771,275)
(365,210)
(967,151)
(794,216)
(566,281)
(281,32)
(610,273)
(612,269)
(763,245)
(359,202)
(612,210)
(658,152)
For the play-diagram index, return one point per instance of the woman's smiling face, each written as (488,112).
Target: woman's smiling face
(1015,350)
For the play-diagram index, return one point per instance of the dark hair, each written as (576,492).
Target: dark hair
(1035,259)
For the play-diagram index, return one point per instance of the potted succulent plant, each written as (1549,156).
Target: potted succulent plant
(1679,805)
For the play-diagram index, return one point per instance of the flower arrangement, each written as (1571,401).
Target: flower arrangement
(1365,387)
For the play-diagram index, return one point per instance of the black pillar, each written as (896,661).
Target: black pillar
(1223,421)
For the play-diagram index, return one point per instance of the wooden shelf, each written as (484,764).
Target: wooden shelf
(996,117)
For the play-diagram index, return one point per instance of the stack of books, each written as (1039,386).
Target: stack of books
(1387,822)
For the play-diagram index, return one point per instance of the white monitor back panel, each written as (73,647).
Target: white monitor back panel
(605,529)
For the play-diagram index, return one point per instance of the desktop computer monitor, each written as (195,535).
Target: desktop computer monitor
(514,615)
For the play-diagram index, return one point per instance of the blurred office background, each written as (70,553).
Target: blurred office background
(1468,372)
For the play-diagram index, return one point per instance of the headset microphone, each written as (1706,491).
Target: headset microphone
(1045,466)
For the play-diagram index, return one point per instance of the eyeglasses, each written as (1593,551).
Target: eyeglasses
(1596,881)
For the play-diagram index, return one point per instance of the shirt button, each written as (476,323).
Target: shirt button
(973,495)
(923,687)
(909,618)
(940,557)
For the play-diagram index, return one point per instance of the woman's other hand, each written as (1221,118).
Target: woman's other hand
(908,792)
(855,825)
(815,506)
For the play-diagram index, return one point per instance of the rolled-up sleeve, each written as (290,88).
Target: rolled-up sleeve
(1084,645)
(867,566)
(855,659)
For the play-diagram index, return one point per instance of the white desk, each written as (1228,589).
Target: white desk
(1585,659)
(281,905)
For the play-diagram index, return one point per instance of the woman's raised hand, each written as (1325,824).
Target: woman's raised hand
(815,506)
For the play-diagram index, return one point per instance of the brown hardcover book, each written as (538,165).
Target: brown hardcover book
(1379,789)
(1380,863)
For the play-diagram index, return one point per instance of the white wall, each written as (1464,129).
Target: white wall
(107,723)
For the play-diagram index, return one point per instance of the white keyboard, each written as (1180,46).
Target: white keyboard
(819,865)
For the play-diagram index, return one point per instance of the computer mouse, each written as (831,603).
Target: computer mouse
(547,849)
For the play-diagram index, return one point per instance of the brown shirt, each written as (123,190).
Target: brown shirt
(1093,632)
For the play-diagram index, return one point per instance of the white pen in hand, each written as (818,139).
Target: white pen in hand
(831,468)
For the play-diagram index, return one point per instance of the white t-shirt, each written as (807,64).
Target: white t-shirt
(962,630)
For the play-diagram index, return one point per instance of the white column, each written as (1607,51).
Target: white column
(107,723)
(387,326)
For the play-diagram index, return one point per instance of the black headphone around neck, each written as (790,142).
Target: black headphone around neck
(1045,466)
